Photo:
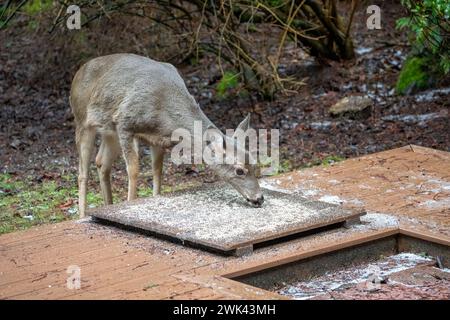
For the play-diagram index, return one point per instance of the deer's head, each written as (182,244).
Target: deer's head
(238,168)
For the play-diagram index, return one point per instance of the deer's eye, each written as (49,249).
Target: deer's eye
(240,172)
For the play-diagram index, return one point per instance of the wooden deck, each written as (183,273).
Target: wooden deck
(410,183)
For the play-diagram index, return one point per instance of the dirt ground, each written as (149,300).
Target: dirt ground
(37,130)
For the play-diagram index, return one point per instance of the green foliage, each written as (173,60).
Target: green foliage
(413,75)
(428,21)
(6,11)
(37,6)
(31,8)
(274,3)
(330,160)
(283,166)
(22,206)
(26,202)
(3,14)
(229,81)
(287,166)
(144,192)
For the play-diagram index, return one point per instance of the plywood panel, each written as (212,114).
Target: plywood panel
(219,218)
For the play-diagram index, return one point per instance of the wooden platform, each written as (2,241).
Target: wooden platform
(410,186)
(218,219)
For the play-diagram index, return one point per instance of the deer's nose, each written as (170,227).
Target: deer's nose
(258,202)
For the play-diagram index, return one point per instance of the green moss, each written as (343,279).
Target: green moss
(414,75)
(284,166)
(324,162)
(287,166)
(331,159)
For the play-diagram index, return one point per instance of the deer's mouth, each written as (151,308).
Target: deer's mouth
(258,202)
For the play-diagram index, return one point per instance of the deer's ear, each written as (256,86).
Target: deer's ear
(214,137)
(245,124)
(210,134)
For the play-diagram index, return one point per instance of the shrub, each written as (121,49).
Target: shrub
(229,81)
(414,75)
(428,21)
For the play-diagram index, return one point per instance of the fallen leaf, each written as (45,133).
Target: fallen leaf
(66,205)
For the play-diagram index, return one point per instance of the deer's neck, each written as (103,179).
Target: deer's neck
(194,120)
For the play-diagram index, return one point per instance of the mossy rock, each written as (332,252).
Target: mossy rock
(414,76)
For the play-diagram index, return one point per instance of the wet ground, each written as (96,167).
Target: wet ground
(37,130)
(404,276)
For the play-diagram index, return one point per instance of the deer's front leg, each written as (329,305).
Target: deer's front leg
(130,151)
(85,139)
(157,166)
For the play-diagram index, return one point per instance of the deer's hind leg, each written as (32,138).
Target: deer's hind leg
(157,166)
(107,154)
(130,151)
(85,139)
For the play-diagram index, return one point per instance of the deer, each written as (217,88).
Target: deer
(127,99)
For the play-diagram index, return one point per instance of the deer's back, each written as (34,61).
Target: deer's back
(128,90)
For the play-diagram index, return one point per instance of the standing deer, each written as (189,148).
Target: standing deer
(126,98)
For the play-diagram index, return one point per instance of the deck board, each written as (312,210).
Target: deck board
(125,265)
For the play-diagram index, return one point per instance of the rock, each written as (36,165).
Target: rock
(34,131)
(353,107)
(15,143)
(29,217)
